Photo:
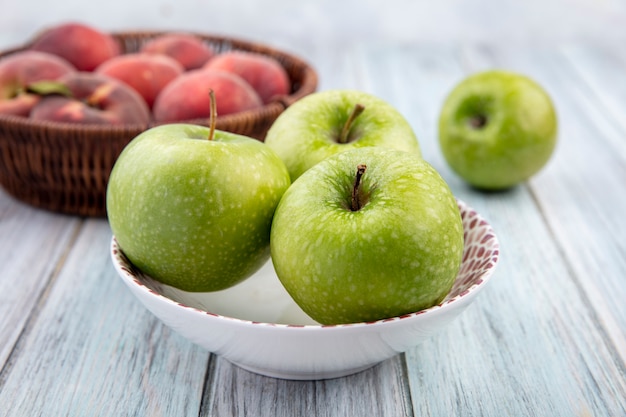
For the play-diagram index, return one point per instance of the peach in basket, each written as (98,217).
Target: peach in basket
(64,167)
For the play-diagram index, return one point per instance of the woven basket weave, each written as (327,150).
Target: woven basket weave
(65,167)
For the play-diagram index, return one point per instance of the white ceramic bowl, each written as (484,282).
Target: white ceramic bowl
(257,326)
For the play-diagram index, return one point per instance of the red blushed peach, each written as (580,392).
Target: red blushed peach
(19,71)
(95,99)
(148,74)
(189,50)
(83,46)
(264,73)
(187,97)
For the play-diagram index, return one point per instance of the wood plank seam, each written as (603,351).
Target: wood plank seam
(408,393)
(209,380)
(582,88)
(41,300)
(605,334)
(614,339)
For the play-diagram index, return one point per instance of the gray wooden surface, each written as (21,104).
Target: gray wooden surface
(546,338)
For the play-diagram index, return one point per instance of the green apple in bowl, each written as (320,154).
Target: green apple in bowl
(367,234)
(328,122)
(192,206)
(497,129)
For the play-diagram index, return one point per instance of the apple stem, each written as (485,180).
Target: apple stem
(356,203)
(478,122)
(356,111)
(213,114)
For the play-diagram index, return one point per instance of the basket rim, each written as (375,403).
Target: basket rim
(63,167)
(307,85)
(229,119)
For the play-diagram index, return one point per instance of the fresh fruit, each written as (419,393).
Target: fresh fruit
(497,129)
(148,74)
(189,50)
(21,77)
(93,99)
(192,206)
(264,73)
(83,46)
(187,97)
(325,123)
(367,234)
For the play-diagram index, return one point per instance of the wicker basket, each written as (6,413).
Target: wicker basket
(65,168)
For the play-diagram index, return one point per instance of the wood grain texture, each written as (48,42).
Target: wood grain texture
(93,350)
(525,319)
(545,338)
(378,391)
(576,196)
(32,245)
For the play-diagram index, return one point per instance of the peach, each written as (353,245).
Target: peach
(148,74)
(83,46)
(19,71)
(187,97)
(264,73)
(189,50)
(95,99)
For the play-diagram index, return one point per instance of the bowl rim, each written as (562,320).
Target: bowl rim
(128,274)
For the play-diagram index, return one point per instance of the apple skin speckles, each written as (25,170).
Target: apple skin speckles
(399,253)
(307,131)
(497,129)
(195,213)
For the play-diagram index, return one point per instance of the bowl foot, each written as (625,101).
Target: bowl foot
(302,375)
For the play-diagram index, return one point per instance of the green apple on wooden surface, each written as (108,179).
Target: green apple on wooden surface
(367,234)
(497,129)
(192,206)
(328,122)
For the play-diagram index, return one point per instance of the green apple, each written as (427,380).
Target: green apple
(325,123)
(497,129)
(192,206)
(367,234)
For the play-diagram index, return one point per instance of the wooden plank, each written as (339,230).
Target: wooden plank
(378,391)
(601,68)
(531,345)
(590,94)
(94,350)
(337,67)
(32,244)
